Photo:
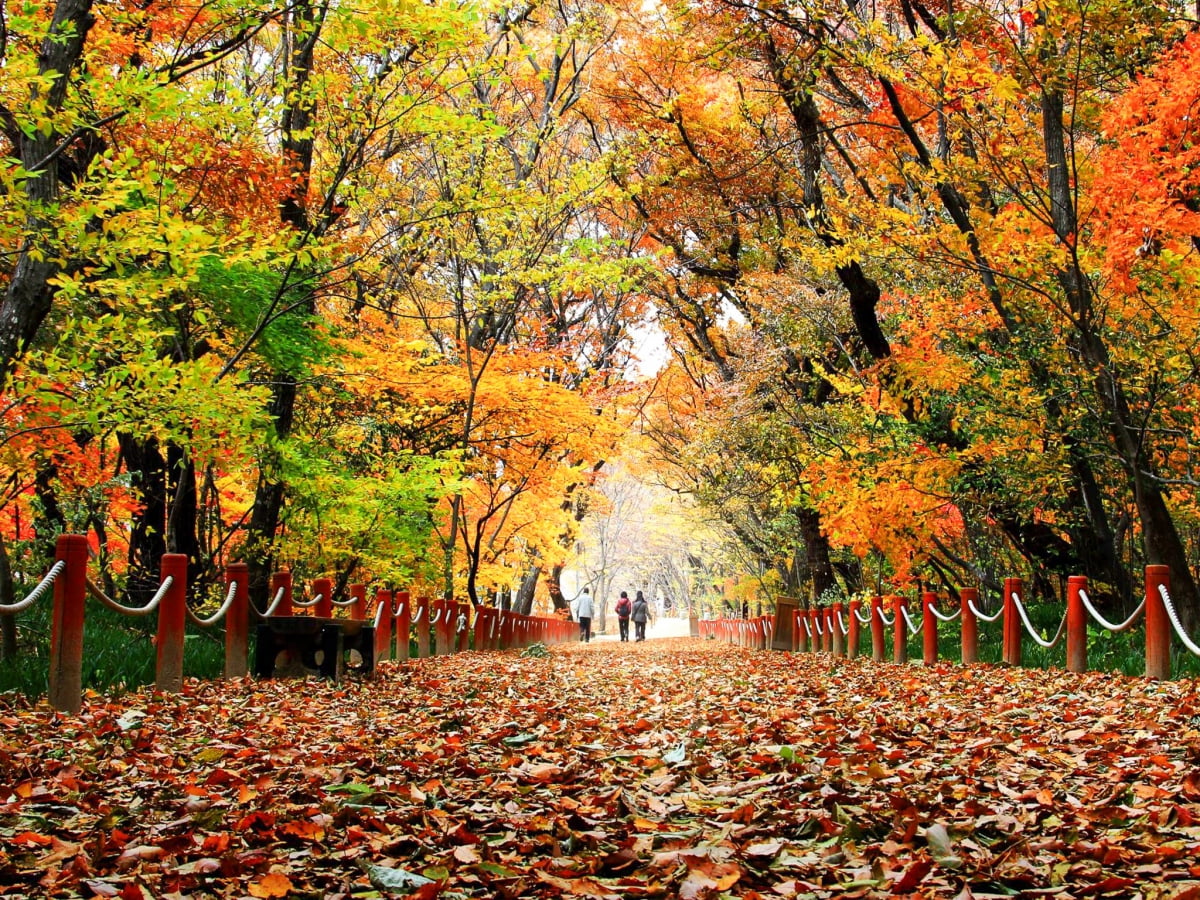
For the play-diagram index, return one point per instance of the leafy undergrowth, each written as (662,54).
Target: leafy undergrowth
(664,769)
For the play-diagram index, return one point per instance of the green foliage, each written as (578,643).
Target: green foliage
(109,374)
(252,299)
(340,515)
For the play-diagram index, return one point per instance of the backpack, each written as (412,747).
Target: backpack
(623,607)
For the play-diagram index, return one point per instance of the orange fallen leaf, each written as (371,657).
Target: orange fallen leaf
(273,884)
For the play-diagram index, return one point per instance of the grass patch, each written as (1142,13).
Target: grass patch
(118,652)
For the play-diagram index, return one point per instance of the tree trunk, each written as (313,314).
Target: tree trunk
(297,149)
(8,621)
(522,602)
(184,512)
(263,525)
(1163,543)
(816,550)
(147,535)
(28,298)
(554,586)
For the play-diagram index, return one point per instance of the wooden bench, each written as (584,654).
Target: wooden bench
(296,646)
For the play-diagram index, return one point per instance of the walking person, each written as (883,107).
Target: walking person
(583,613)
(640,615)
(623,608)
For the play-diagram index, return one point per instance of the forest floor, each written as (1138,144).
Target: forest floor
(672,768)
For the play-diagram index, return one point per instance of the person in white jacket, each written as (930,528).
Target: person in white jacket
(583,614)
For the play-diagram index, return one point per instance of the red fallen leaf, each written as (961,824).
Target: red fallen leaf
(1191,785)
(258,821)
(134,891)
(428,891)
(32,838)
(463,835)
(253,858)
(215,843)
(303,830)
(913,875)
(577,887)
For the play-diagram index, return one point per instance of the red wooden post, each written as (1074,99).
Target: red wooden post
(877,638)
(855,629)
(237,621)
(1076,625)
(491,637)
(172,622)
(1158,626)
(383,627)
(828,625)
(438,613)
(358,593)
(421,623)
(799,638)
(970,626)
(1012,621)
(1006,621)
(929,642)
(323,587)
(282,580)
(839,639)
(899,631)
(403,623)
(483,617)
(66,629)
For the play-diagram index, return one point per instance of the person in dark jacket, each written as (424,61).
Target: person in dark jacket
(640,615)
(623,609)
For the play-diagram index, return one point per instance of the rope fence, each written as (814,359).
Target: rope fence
(222,610)
(1103,622)
(37,593)
(838,630)
(1184,638)
(386,629)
